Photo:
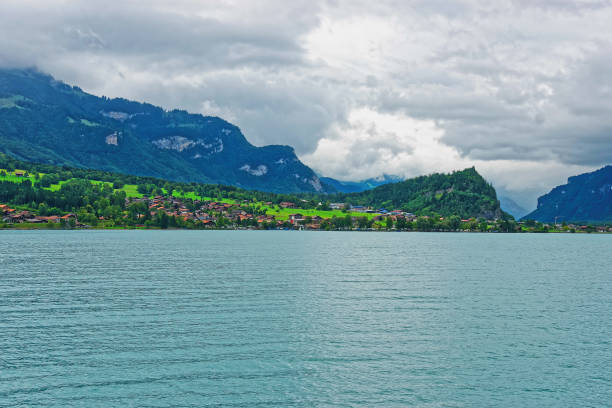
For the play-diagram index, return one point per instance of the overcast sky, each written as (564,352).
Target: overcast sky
(520,89)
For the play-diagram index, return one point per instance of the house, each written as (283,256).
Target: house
(316,219)
(5,209)
(336,206)
(51,218)
(16,217)
(287,204)
(68,217)
(19,173)
(295,218)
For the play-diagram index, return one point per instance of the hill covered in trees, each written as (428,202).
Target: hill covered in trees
(464,193)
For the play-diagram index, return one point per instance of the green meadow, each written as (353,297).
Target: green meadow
(283,213)
(6,175)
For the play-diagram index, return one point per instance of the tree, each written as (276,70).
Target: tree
(43,209)
(454,222)
(401,223)
(163,220)
(363,222)
(348,221)
(530,223)
(222,222)
(389,222)
(424,224)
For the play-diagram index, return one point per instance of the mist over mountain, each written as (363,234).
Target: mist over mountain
(512,207)
(358,186)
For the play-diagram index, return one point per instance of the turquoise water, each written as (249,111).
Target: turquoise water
(304,319)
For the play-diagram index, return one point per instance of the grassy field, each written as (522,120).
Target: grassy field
(131,190)
(10,176)
(193,196)
(283,213)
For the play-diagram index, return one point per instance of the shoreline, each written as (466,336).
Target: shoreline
(38,228)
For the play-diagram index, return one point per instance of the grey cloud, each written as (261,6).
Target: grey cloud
(148,35)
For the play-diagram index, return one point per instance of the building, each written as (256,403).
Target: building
(295,218)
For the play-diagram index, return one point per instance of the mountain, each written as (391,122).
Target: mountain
(464,193)
(46,121)
(586,197)
(358,186)
(511,207)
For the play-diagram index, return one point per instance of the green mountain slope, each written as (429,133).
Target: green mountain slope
(464,193)
(46,121)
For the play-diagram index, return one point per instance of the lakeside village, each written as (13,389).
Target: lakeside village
(172,212)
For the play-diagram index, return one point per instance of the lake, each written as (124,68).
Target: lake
(304,319)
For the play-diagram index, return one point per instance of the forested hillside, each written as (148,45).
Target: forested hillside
(465,193)
(46,121)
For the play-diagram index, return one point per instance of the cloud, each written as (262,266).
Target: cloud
(520,89)
(375,143)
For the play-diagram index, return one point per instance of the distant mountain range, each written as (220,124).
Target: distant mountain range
(46,121)
(358,186)
(586,197)
(511,207)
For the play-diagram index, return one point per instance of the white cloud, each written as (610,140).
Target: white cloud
(373,143)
